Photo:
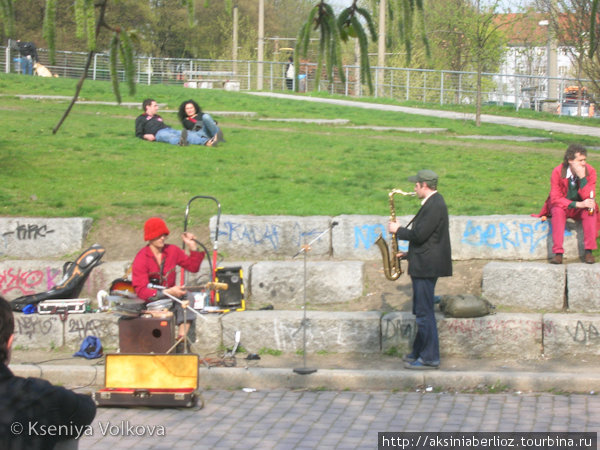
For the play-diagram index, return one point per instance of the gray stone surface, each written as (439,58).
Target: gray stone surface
(497,237)
(583,294)
(268,237)
(501,335)
(314,121)
(281,283)
(337,332)
(566,335)
(402,129)
(354,237)
(36,331)
(40,237)
(497,335)
(525,285)
(502,237)
(494,335)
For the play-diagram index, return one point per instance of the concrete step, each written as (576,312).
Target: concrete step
(494,336)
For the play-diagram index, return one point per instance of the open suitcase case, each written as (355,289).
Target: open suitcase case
(156,380)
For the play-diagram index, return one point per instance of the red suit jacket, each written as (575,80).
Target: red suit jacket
(559,186)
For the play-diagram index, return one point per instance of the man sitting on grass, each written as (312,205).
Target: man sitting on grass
(151,127)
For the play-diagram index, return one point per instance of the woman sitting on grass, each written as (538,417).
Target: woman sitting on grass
(192,118)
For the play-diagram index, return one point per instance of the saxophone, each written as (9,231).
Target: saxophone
(391,263)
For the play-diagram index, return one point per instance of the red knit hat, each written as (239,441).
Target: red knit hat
(154,228)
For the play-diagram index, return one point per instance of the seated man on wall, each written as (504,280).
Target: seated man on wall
(151,127)
(572,189)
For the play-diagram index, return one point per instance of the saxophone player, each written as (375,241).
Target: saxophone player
(429,257)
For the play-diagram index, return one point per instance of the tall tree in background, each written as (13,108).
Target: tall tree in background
(485,37)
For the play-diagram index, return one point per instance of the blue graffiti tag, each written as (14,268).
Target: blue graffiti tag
(255,235)
(503,236)
(366,235)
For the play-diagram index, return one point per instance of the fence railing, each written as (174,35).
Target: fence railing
(419,85)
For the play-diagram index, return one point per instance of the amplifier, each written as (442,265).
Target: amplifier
(233,297)
(146,334)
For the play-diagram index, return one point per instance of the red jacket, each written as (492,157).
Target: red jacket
(145,268)
(559,186)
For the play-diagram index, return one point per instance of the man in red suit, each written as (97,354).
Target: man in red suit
(572,190)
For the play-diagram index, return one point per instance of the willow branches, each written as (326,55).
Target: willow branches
(356,23)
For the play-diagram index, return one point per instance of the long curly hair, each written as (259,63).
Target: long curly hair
(182,115)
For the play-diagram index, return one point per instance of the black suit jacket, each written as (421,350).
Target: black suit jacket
(429,253)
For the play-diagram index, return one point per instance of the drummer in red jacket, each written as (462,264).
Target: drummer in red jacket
(156,263)
(572,190)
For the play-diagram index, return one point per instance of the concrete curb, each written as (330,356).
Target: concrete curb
(92,377)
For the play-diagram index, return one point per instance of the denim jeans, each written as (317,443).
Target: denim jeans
(26,65)
(209,126)
(197,137)
(168,135)
(426,344)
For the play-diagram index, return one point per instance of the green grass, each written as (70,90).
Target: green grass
(94,166)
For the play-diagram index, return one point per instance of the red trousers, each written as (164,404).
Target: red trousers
(559,220)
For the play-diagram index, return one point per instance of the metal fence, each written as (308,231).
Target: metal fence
(418,85)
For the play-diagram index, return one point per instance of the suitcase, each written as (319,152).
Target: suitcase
(167,381)
(73,306)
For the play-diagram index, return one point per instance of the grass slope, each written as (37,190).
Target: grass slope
(94,166)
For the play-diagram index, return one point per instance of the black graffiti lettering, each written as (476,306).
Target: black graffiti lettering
(28,326)
(85,328)
(32,232)
(581,334)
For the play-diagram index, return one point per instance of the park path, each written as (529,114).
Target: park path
(485,118)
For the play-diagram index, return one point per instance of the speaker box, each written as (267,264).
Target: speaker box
(233,297)
(145,334)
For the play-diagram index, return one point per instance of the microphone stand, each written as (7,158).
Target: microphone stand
(305,249)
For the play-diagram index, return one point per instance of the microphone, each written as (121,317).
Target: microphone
(155,286)
(333,224)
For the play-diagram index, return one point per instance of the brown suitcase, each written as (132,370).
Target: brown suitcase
(168,381)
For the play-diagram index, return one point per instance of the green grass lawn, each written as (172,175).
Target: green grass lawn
(94,166)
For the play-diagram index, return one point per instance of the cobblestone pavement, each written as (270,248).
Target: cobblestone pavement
(285,419)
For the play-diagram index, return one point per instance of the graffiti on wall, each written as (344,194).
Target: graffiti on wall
(366,235)
(583,333)
(508,235)
(29,232)
(266,234)
(24,232)
(16,281)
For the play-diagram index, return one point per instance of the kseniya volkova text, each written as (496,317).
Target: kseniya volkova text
(123,428)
